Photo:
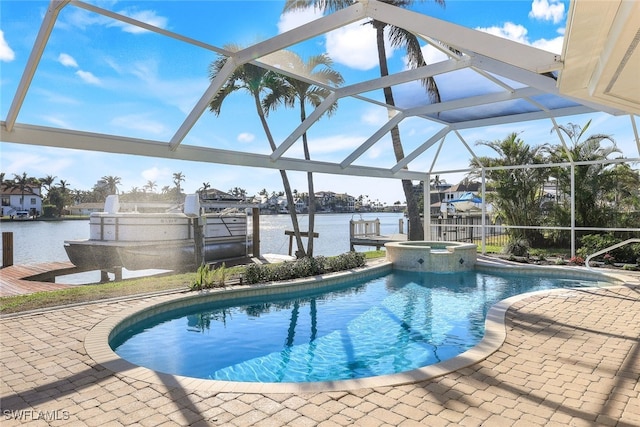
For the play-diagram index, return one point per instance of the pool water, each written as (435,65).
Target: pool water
(390,324)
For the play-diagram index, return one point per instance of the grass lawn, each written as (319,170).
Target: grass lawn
(124,288)
(95,292)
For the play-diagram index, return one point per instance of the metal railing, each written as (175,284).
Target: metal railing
(605,250)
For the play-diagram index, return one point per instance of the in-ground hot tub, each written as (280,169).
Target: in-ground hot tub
(437,257)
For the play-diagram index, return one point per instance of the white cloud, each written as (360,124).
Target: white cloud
(553,45)
(334,144)
(55,97)
(355,46)
(180,93)
(509,30)
(155,173)
(518,33)
(145,70)
(432,55)
(140,122)
(88,77)
(147,16)
(67,60)
(546,10)
(291,20)
(6,53)
(246,137)
(375,116)
(57,121)
(36,164)
(83,19)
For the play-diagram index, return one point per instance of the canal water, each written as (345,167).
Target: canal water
(43,241)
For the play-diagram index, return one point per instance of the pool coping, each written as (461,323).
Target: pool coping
(96,342)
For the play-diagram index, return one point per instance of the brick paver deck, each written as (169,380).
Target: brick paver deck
(571,358)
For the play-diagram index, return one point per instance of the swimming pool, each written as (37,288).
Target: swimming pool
(378,326)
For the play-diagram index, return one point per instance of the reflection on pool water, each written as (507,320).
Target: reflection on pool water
(390,324)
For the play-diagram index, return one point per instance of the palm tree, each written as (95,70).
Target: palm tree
(47,182)
(303,92)
(517,197)
(23,182)
(64,185)
(151,186)
(112,183)
(204,188)
(178,177)
(437,184)
(399,38)
(592,181)
(256,81)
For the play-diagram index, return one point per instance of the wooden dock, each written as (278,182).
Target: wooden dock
(32,278)
(367,233)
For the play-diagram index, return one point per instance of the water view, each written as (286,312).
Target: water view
(43,241)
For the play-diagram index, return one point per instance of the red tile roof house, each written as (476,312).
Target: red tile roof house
(15,200)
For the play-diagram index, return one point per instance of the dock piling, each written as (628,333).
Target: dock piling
(7,248)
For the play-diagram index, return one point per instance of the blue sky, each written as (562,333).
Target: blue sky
(106,77)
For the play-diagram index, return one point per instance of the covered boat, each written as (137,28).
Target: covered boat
(167,240)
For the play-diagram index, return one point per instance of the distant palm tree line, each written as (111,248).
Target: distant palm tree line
(60,192)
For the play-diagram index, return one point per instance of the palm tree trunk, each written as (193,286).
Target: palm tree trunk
(312,196)
(300,253)
(416,231)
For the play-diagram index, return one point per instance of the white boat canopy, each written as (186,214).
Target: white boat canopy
(597,72)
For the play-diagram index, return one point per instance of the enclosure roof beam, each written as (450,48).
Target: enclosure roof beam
(304,126)
(372,140)
(421,149)
(55,6)
(79,140)
(466,39)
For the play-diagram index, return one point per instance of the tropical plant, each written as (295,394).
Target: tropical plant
(399,38)
(178,178)
(59,196)
(206,278)
(47,182)
(258,82)
(151,186)
(593,181)
(518,196)
(112,183)
(22,182)
(317,68)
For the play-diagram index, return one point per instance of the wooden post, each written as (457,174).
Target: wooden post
(302,234)
(352,227)
(198,242)
(256,231)
(7,248)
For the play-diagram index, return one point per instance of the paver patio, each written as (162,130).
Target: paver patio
(571,358)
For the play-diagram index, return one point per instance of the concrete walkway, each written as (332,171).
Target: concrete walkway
(571,358)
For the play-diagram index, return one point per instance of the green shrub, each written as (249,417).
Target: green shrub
(304,267)
(593,243)
(517,247)
(49,211)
